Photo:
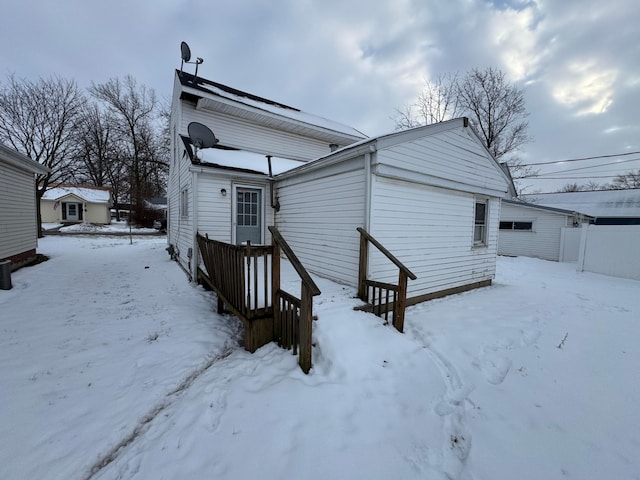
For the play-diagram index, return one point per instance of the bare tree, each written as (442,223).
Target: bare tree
(571,187)
(495,107)
(626,180)
(439,101)
(37,119)
(135,114)
(100,155)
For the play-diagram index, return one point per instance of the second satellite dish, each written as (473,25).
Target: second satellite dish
(201,136)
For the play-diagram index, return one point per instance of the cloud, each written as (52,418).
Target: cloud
(356,61)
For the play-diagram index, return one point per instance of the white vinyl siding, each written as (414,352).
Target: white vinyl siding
(449,159)
(234,132)
(179,227)
(18,223)
(543,241)
(319,216)
(214,209)
(430,230)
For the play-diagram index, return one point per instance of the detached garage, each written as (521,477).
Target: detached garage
(430,195)
(537,231)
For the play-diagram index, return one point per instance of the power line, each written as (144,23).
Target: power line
(590,166)
(580,159)
(568,178)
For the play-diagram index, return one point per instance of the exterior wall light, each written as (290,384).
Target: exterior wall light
(223,192)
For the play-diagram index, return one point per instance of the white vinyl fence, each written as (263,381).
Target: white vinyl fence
(570,244)
(611,250)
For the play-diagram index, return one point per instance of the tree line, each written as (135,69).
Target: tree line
(624,181)
(114,134)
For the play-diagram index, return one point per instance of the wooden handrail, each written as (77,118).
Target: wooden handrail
(400,303)
(302,272)
(386,253)
(308,290)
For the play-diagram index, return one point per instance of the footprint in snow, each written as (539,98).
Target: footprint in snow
(495,367)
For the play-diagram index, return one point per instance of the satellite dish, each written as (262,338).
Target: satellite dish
(201,136)
(186,52)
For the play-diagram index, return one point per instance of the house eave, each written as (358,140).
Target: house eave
(22,162)
(520,203)
(208,100)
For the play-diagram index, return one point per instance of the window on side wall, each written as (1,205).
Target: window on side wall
(184,203)
(520,226)
(480,222)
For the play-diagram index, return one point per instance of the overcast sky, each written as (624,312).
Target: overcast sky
(578,61)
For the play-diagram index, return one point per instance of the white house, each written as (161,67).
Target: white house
(430,195)
(18,213)
(531,230)
(76,204)
(225,191)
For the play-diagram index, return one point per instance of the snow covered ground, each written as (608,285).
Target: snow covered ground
(115,227)
(113,366)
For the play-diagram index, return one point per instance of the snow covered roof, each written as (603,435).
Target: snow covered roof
(88,194)
(246,161)
(268,112)
(521,203)
(598,203)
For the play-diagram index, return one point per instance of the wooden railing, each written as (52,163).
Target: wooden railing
(383,297)
(293,317)
(246,279)
(240,275)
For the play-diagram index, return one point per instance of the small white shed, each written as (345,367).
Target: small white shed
(18,227)
(430,195)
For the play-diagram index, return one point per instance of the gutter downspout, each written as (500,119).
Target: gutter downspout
(274,204)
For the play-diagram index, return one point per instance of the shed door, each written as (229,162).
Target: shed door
(248,215)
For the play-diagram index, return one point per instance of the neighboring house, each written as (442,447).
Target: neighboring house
(607,207)
(430,195)
(18,212)
(76,204)
(531,230)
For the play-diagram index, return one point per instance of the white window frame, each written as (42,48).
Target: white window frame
(481,242)
(184,203)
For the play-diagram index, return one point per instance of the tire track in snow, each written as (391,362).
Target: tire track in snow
(144,423)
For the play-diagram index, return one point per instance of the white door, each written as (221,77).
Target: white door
(248,215)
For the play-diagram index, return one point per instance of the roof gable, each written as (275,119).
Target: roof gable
(425,154)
